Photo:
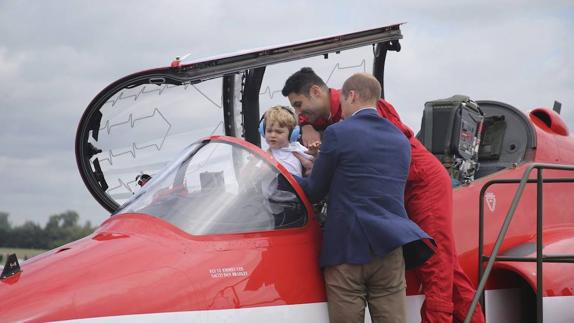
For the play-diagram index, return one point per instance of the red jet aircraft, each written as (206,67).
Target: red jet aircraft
(222,232)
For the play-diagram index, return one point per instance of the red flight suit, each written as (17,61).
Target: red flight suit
(428,201)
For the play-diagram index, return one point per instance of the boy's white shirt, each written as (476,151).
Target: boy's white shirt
(286,157)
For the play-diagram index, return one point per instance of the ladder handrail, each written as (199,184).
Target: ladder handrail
(503,230)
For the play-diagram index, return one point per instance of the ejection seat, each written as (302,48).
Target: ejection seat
(451,130)
(476,139)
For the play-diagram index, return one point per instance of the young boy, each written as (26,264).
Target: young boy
(279,128)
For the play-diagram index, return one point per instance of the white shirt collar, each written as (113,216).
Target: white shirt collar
(362,110)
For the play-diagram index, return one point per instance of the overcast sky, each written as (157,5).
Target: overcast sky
(55,56)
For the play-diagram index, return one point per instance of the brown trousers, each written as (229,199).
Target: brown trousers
(380,283)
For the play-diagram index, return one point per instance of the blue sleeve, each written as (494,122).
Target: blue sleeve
(317,185)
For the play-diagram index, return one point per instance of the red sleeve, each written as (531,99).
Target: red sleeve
(387,111)
(302,120)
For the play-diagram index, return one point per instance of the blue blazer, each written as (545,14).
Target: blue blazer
(363,165)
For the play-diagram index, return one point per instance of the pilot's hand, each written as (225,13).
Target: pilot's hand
(310,135)
(313,148)
(306,163)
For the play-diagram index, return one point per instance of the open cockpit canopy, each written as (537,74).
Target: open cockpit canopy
(139,123)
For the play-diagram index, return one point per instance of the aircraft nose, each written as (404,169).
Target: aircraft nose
(107,273)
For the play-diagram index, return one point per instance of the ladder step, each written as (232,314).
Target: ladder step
(545,258)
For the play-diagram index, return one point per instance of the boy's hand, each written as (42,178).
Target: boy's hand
(309,135)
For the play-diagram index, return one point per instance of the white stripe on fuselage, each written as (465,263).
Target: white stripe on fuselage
(304,313)
(558,309)
(502,305)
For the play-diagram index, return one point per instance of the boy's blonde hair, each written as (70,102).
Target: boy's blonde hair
(281,115)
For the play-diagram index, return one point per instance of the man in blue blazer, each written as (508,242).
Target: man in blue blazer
(363,165)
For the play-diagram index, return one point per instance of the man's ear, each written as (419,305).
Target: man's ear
(354,96)
(315,91)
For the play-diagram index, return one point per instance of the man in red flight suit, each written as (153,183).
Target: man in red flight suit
(428,197)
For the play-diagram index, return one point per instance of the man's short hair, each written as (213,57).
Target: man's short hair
(301,82)
(282,116)
(366,85)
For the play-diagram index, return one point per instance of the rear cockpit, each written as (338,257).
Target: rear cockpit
(507,139)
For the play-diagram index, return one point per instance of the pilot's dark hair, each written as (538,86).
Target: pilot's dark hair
(301,81)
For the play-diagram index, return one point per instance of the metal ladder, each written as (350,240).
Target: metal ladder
(540,257)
